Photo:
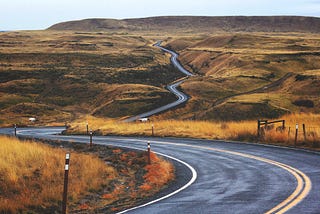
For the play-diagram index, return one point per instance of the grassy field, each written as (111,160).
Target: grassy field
(100,178)
(191,25)
(229,130)
(101,77)
(32,176)
(57,76)
(231,65)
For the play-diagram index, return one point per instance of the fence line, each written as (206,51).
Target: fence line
(298,134)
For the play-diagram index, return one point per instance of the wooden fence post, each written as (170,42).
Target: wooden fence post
(296,136)
(304,132)
(15,129)
(266,125)
(258,130)
(152,130)
(87,128)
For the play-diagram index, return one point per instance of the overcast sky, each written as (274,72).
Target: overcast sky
(40,14)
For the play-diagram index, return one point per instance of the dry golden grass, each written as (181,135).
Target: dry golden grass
(312,130)
(225,55)
(57,75)
(97,73)
(172,128)
(135,181)
(69,41)
(32,175)
(236,63)
(242,130)
(159,173)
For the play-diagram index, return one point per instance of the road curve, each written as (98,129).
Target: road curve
(172,88)
(230,177)
(174,59)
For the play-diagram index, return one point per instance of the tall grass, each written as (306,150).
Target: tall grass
(137,180)
(158,174)
(173,128)
(309,138)
(32,174)
(242,130)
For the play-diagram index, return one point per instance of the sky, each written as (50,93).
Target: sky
(41,14)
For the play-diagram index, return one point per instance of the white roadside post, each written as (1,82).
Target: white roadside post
(152,130)
(90,138)
(296,136)
(65,187)
(149,153)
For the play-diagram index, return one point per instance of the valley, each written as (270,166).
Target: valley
(72,70)
(104,74)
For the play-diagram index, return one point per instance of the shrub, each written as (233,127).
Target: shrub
(304,103)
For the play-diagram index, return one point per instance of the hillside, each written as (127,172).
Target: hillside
(199,24)
(249,76)
(66,72)
(58,76)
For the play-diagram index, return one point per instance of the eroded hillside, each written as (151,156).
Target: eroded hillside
(248,76)
(61,75)
(57,76)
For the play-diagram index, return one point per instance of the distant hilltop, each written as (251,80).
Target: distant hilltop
(198,24)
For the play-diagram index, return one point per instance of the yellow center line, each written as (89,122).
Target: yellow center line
(304,184)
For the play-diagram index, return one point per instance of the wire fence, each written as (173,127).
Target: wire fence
(296,135)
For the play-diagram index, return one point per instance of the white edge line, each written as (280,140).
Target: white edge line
(194,177)
(192,180)
(194,173)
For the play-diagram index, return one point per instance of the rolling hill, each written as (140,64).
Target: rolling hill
(246,76)
(63,75)
(108,68)
(199,24)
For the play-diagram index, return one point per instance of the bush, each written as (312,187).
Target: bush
(304,103)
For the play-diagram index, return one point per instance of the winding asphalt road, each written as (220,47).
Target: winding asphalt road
(215,176)
(172,88)
(222,177)
(174,59)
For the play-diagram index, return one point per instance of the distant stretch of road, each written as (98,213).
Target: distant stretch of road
(172,88)
(174,59)
(220,177)
(216,176)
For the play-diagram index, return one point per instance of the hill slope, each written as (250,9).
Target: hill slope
(197,24)
(230,67)
(58,76)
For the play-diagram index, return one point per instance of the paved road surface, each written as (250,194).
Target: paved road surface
(174,59)
(172,88)
(224,177)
